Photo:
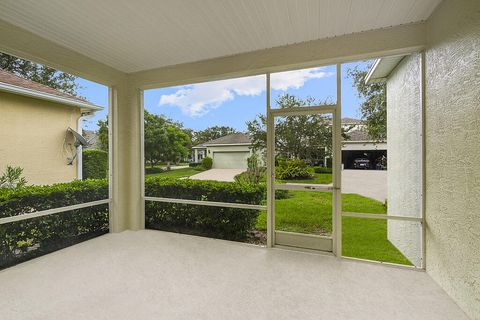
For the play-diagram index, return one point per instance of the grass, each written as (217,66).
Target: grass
(311,212)
(319,178)
(177,173)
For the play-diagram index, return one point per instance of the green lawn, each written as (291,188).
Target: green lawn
(319,178)
(311,212)
(177,173)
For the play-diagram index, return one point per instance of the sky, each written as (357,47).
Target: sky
(233,102)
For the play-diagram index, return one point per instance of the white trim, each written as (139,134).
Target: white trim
(111,101)
(423,159)
(208,203)
(380,216)
(303,240)
(298,111)
(142,160)
(46,96)
(337,168)
(270,168)
(48,212)
(79,159)
(387,264)
(225,145)
(372,70)
(304,187)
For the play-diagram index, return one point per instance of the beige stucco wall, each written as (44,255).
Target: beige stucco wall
(453,151)
(404,174)
(32,136)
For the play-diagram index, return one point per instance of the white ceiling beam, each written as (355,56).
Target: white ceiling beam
(24,44)
(352,47)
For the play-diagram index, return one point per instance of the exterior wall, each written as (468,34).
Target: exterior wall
(211,150)
(238,149)
(453,151)
(404,158)
(356,145)
(32,136)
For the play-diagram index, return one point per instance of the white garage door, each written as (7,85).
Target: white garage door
(230,160)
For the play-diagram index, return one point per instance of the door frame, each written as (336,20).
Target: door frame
(275,238)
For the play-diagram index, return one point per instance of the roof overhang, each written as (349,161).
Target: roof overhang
(84,106)
(382,68)
(227,144)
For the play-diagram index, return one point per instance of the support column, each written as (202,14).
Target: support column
(127,163)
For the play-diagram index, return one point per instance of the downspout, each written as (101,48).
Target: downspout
(80,148)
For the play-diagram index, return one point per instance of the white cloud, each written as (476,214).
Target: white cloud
(198,99)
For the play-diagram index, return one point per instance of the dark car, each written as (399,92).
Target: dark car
(361,163)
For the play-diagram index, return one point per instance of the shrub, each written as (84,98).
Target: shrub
(207,163)
(95,164)
(293,169)
(12,178)
(26,239)
(153,170)
(216,222)
(322,170)
(194,164)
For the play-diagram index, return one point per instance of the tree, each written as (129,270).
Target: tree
(212,133)
(374,106)
(102,135)
(12,178)
(307,137)
(42,74)
(165,140)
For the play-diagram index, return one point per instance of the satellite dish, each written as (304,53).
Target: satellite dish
(79,139)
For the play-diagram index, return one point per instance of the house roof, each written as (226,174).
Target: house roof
(12,83)
(351,121)
(382,68)
(92,137)
(358,135)
(230,139)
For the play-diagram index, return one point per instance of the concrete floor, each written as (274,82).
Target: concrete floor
(158,275)
(218,174)
(368,183)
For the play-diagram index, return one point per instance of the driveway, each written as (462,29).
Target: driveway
(218,174)
(368,183)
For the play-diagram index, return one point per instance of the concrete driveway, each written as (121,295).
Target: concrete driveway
(368,183)
(218,174)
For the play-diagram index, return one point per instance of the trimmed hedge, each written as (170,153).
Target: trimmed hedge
(194,164)
(322,170)
(293,169)
(23,240)
(216,222)
(95,164)
(154,170)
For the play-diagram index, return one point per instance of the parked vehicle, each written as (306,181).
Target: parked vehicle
(361,163)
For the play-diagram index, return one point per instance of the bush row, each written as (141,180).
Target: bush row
(216,222)
(322,170)
(95,164)
(23,240)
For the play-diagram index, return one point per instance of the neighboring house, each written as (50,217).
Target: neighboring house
(92,139)
(34,132)
(228,152)
(404,131)
(232,151)
(360,145)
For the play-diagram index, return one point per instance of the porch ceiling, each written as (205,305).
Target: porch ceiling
(131,36)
